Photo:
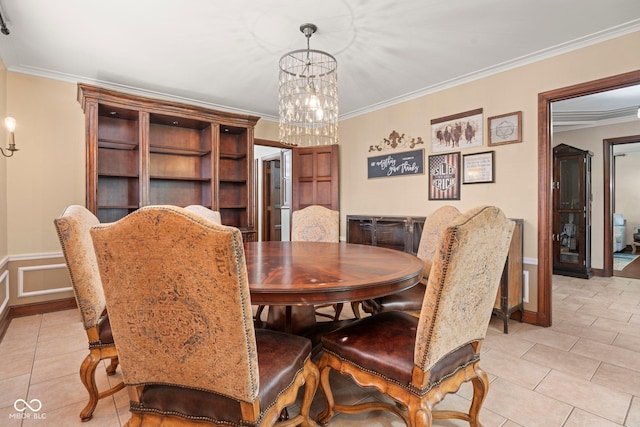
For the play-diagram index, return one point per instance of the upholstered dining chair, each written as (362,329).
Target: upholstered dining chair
(410,300)
(418,361)
(214,216)
(73,232)
(211,215)
(316,223)
(178,297)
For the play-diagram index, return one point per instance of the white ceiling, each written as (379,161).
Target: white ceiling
(610,107)
(225,53)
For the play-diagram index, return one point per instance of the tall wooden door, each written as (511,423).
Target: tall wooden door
(272,205)
(315,177)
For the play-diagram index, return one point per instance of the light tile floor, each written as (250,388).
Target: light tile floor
(583,371)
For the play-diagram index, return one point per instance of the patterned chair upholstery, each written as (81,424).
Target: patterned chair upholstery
(418,361)
(178,297)
(410,300)
(73,232)
(315,224)
(213,216)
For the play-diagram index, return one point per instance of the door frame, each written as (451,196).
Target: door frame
(545,172)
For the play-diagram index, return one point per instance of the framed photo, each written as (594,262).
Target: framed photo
(505,129)
(444,176)
(478,168)
(458,131)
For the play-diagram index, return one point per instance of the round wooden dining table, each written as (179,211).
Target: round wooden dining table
(293,277)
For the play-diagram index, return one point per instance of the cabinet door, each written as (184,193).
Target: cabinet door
(360,230)
(571,212)
(391,233)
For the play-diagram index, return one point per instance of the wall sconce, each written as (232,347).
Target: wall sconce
(10,123)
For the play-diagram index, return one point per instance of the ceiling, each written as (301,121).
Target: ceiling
(599,109)
(224,54)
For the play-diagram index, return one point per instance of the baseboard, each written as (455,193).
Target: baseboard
(34,308)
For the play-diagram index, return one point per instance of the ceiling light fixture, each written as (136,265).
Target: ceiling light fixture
(3,26)
(308,96)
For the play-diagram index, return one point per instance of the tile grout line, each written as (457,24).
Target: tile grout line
(33,360)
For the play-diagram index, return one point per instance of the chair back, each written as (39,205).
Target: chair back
(315,224)
(462,284)
(213,216)
(434,226)
(73,232)
(178,299)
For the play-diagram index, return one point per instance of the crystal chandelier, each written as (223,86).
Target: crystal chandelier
(308,96)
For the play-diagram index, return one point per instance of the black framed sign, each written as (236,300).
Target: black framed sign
(478,168)
(444,176)
(394,164)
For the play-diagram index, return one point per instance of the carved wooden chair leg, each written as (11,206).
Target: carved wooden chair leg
(325,416)
(87,375)
(312,378)
(480,388)
(111,369)
(88,378)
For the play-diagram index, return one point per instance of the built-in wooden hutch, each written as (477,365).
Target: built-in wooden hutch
(142,151)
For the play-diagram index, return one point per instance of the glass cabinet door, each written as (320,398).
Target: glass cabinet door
(570,241)
(570,196)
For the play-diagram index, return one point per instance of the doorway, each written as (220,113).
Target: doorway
(545,170)
(272,204)
(619,148)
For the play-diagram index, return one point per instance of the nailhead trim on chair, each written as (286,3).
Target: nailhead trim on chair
(421,392)
(139,407)
(99,344)
(443,278)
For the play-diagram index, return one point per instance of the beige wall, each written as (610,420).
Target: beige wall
(515,189)
(591,139)
(47,174)
(267,130)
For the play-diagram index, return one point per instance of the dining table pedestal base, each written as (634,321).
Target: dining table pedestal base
(291,319)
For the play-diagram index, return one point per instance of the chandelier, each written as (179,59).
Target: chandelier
(308,96)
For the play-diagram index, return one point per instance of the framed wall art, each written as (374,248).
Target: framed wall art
(444,176)
(505,128)
(396,164)
(459,131)
(478,168)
